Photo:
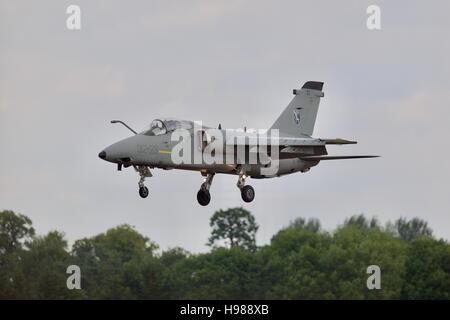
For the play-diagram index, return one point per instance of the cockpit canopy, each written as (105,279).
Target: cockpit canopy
(168,125)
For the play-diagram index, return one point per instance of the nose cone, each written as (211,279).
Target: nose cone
(102,155)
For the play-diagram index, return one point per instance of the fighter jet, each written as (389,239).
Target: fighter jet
(285,148)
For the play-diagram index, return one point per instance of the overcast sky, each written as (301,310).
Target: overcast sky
(233,62)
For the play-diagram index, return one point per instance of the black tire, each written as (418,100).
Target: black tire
(247,193)
(203,197)
(143,192)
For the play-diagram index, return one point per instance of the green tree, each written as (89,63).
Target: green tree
(353,249)
(316,265)
(312,225)
(118,264)
(294,264)
(15,230)
(362,222)
(235,226)
(45,264)
(221,274)
(412,229)
(171,256)
(427,273)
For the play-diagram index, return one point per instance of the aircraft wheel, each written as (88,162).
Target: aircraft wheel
(143,192)
(203,197)
(247,193)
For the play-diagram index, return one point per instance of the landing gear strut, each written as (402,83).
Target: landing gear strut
(247,192)
(203,195)
(144,172)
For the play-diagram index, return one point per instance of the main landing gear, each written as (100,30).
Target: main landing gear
(247,192)
(144,172)
(203,195)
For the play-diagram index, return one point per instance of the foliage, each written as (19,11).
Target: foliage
(412,229)
(300,223)
(302,261)
(236,226)
(14,228)
(427,270)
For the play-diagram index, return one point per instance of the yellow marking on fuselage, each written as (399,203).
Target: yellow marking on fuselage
(165,151)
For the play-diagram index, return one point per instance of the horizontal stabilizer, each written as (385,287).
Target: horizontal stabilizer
(338,141)
(320,158)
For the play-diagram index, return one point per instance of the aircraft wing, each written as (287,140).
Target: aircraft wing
(305,148)
(320,158)
(253,139)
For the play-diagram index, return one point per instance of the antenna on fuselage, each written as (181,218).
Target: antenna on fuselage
(119,121)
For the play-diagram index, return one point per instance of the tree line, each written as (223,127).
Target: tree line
(302,261)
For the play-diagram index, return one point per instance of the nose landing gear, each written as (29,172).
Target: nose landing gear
(144,172)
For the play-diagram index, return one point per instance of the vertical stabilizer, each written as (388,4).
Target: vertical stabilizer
(299,117)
